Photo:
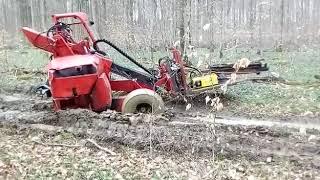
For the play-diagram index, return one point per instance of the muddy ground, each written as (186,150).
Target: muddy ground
(198,145)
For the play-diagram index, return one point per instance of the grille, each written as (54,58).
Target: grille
(76,71)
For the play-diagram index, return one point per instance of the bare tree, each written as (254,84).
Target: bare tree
(243,22)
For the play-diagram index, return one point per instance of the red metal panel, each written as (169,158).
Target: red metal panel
(82,101)
(82,47)
(127,85)
(39,40)
(179,60)
(101,96)
(61,47)
(166,82)
(72,86)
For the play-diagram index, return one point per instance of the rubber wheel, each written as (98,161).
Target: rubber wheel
(143,101)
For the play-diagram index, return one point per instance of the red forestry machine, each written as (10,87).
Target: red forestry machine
(79,72)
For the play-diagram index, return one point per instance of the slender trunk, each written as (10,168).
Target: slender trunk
(182,7)
(281,21)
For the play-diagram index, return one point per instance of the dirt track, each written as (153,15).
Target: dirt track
(171,134)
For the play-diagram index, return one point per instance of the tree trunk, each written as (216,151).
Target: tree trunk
(181,9)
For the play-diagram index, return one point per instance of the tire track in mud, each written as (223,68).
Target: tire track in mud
(181,134)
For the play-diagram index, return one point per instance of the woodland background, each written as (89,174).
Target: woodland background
(213,24)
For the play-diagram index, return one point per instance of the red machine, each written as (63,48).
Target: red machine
(79,73)
(80,77)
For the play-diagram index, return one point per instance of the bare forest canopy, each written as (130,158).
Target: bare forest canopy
(160,23)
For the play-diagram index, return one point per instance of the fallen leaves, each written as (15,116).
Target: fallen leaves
(219,107)
(188,107)
(303,131)
(206,27)
(207,99)
(269,159)
(312,138)
(241,63)
(216,105)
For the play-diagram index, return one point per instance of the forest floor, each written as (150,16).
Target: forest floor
(266,130)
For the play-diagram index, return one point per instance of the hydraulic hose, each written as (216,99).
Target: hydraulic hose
(96,48)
